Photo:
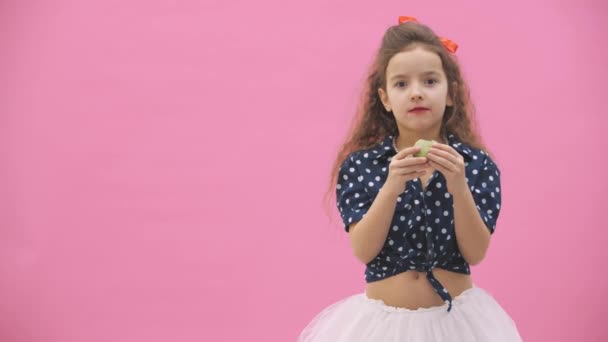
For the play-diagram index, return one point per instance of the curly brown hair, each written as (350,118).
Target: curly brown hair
(372,123)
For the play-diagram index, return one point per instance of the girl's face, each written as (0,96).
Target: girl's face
(416,79)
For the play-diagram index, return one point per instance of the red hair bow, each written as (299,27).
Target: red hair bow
(448,44)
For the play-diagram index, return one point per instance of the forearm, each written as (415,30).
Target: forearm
(472,235)
(369,236)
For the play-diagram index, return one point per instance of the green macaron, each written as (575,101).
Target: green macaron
(425,146)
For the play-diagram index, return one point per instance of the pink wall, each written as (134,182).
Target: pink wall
(163,162)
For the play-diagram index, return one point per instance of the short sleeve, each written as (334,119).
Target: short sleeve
(487,193)
(352,199)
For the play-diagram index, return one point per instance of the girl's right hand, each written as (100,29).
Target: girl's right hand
(404,167)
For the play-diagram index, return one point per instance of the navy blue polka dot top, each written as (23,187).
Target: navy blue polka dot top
(421,235)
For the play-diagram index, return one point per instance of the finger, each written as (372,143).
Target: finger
(446,148)
(410,168)
(444,163)
(439,167)
(410,161)
(443,154)
(409,164)
(404,172)
(415,174)
(418,169)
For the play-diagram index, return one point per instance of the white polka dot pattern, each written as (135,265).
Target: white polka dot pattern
(422,234)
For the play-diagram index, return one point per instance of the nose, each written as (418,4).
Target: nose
(415,95)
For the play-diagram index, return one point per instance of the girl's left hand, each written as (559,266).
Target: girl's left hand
(451,164)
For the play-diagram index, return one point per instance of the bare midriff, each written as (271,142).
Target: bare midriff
(412,289)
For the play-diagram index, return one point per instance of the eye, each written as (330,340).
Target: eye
(432,81)
(400,84)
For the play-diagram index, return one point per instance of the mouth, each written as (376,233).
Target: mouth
(418,110)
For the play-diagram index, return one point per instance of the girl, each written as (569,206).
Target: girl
(416,222)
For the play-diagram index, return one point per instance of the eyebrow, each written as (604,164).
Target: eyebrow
(432,72)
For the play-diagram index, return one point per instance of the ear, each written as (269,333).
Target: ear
(384,99)
(449,101)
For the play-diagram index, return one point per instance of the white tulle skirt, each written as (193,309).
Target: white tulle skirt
(475,317)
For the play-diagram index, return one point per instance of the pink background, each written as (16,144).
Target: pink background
(163,162)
